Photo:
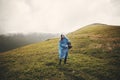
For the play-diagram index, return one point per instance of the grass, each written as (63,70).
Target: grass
(95,56)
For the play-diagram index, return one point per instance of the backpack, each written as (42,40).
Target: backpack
(69,45)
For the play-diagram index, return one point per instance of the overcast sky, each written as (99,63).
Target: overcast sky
(56,16)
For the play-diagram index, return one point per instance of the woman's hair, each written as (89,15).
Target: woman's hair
(61,36)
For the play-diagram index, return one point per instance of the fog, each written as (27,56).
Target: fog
(55,16)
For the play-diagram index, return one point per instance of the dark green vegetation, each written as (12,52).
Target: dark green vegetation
(95,56)
(12,41)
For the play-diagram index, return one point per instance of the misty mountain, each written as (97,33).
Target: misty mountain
(95,55)
(12,41)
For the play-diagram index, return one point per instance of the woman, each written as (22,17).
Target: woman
(63,49)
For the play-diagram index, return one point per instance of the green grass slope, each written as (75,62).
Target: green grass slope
(95,56)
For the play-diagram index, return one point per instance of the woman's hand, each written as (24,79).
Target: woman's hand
(66,46)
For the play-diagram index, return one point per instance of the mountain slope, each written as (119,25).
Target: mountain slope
(16,40)
(95,56)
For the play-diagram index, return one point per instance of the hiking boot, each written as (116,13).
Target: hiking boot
(65,60)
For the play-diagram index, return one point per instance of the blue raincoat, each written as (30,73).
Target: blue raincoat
(63,48)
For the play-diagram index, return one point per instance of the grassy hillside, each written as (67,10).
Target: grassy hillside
(95,56)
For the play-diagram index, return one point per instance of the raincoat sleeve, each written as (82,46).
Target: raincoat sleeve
(63,45)
(68,41)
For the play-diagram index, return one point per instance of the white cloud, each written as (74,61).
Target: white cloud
(55,15)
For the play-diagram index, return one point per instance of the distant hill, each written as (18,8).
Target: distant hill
(95,56)
(12,41)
